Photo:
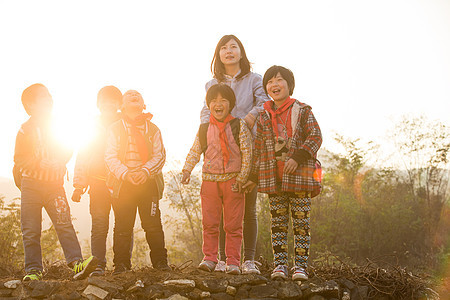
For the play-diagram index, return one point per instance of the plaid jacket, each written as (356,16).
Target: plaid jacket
(306,135)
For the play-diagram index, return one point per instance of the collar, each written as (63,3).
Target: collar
(232,77)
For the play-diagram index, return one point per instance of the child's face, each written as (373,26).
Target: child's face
(133,102)
(278,88)
(108,106)
(230,53)
(219,107)
(42,105)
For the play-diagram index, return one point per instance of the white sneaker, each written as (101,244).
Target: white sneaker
(249,267)
(233,270)
(221,266)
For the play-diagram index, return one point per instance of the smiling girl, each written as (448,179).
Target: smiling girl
(231,66)
(284,165)
(226,144)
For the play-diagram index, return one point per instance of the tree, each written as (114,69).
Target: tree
(424,148)
(187,223)
(11,258)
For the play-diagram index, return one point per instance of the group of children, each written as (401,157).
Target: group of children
(249,142)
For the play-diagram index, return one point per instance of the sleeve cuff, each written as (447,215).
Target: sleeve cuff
(301,156)
(253,178)
(146,171)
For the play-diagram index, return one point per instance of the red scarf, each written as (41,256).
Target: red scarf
(137,135)
(222,135)
(275,113)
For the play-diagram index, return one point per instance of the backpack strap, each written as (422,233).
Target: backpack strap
(203,130)
(236,130)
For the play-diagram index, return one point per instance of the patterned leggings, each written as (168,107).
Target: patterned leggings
(300,205)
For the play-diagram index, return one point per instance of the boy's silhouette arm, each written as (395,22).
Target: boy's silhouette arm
(24,154)
(80,176)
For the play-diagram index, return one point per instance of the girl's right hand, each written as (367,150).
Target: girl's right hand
(248,186)
(186,177)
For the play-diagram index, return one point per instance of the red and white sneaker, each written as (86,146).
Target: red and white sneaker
(299,274)
(280,272)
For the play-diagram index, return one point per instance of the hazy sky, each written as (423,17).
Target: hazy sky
(359,64)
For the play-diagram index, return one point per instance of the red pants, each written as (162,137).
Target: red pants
(216,195)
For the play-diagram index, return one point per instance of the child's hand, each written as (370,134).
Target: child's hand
(76,196)
(130,178)
(290,166)
(248,186)
(186,177)
(139,177)
(237,187)
(250,121)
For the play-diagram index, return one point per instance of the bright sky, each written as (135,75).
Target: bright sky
(359,64)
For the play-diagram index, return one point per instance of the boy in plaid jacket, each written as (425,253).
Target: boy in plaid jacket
(285,167)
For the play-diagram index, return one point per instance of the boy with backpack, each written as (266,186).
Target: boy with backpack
(39,169)
(90,173)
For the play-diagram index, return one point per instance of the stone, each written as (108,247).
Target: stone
(106,285)
(154,291)
(12,284)
(251,279)
(177,297)
(74,296)
(289,290)
(317,297)
(42,289)
(263,291)
(138,285)
(214,285)
(95,291)
(195,294)
(347,283)
(205,294)
(221,296)
(360,292)
(328,289)
(57,297)
(345,295)
(180,283)
(231,290)
(5,292)
(242,292)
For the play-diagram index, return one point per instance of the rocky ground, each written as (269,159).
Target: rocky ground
(191,283)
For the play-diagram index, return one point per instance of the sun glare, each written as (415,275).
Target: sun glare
(73,132)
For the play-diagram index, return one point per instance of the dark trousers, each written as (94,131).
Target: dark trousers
(142,198)
(99,207)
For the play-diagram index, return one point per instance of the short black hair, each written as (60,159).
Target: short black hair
(284,72)
(224,90)
(29,95)
(110,92)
